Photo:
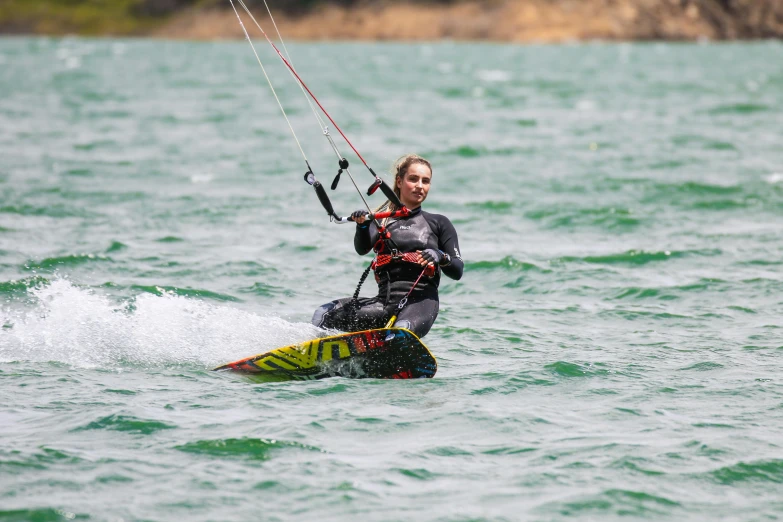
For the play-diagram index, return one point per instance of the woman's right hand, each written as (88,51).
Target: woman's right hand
(359,216)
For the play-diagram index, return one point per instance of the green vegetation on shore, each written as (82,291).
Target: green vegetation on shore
(120,17)
(75,16)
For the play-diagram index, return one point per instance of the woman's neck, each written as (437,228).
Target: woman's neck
(410,207)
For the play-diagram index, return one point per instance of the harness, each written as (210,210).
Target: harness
(406,257)
(385,240)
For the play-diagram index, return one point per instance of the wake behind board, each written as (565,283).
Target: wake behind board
(389,353)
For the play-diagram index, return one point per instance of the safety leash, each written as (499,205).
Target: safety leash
(404,300)
(354,303)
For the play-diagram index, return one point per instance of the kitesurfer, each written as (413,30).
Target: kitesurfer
(416,241)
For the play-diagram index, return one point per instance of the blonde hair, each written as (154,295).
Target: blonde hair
(399,170)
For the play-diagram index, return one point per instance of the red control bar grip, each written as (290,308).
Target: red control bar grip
(402,212)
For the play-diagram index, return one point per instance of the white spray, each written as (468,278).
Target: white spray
(83,328)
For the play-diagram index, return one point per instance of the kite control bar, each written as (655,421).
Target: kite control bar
(320,191)
(402,212)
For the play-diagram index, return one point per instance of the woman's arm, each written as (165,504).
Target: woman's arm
(449,244)
(365,237)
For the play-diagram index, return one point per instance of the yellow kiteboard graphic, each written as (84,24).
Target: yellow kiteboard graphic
(387,353)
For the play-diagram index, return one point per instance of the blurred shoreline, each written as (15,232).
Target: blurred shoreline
(548,21)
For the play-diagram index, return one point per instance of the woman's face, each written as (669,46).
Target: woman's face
(415,185)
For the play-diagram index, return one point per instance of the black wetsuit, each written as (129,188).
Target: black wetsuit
(418,231)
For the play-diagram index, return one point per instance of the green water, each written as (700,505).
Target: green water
(613,350)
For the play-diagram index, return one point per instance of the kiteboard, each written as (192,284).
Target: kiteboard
(387,353)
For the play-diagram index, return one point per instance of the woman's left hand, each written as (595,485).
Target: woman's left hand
(430,257)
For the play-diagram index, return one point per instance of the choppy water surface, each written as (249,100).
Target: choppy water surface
(614,349)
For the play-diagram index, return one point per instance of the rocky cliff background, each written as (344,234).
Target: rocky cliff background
(497,20)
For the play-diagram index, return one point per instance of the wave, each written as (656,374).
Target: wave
(116,246)
(639,257)
(185,292)
(15,462)
(54,211)
(698,189)
(643,293)
(621,502)
(705,366)
(703,141)
(716,197)
(96,144)
(569,369)
(508,263)
(610,218)
(170,239)
(19,287)
(740,108)
(38,515)
(66,261)
(244,448)
(496,206)
(669,293)
(764,471)
(127,423)
(58,321)
(468,151)
(267,290)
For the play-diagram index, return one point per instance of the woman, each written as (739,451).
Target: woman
(427,240)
